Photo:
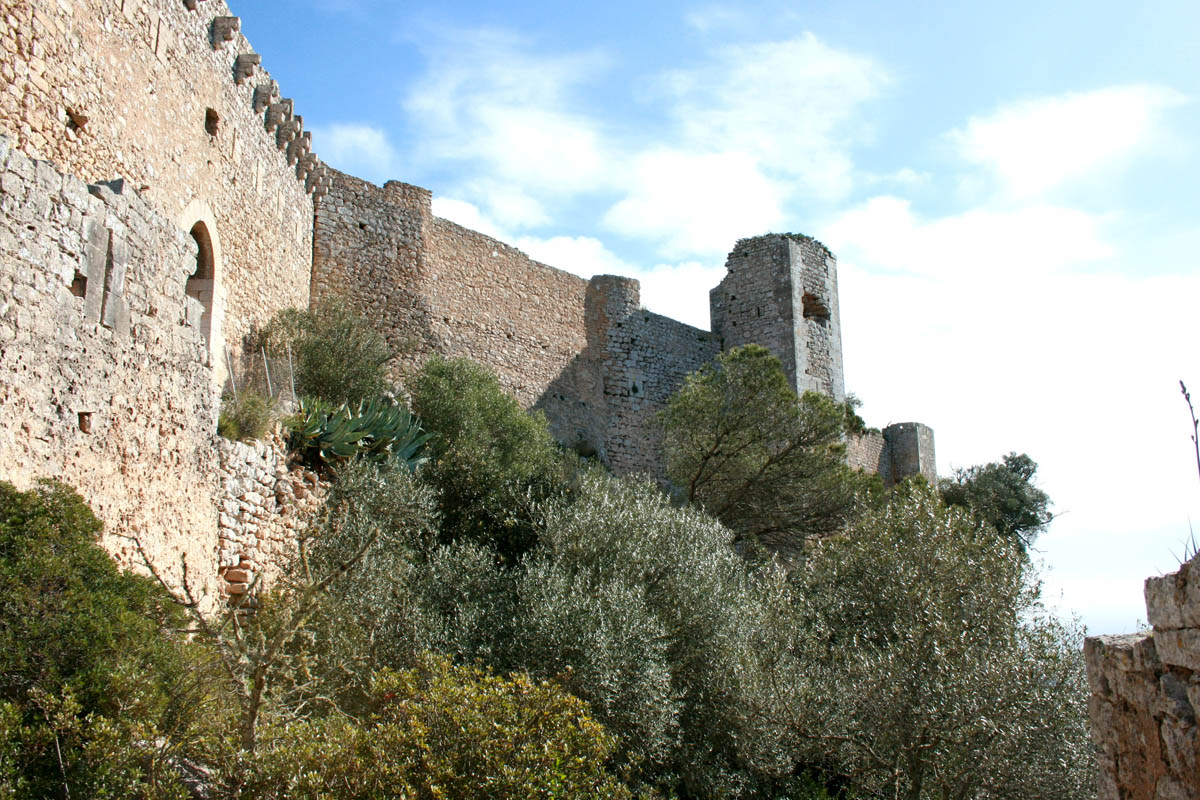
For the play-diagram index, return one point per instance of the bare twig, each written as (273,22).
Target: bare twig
(1195,423)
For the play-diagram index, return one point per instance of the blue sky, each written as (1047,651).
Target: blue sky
(1011,190)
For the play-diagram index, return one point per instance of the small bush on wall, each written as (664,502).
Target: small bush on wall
(245,416)
(337,355)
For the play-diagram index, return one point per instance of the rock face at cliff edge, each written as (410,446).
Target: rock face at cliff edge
(1146,696)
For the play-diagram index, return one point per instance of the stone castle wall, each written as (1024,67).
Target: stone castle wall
(123,306)
(170,96)
(869,452)
(583,352)
(104,380)
(781,292)
(434,286)
(1146,696)
(639,359)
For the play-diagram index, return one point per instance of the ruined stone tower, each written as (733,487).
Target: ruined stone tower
(781,292)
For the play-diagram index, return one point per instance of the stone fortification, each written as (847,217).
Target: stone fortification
(1146,696)
(171,97)
(104,376)
(123,305)
(781,292)
(584,352)
(899,450)
(434,286)
(638,360)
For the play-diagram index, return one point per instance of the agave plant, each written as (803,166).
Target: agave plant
(380,430)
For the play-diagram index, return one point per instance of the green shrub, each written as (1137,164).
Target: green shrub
(87,679)
(337,355)
(442,731)
(770,465)
(1003,495)
(492,462)
(372,619)
(246,416)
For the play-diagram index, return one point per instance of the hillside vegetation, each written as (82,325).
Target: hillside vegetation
(483,615)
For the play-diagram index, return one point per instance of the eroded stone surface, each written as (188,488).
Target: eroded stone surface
(1145,699)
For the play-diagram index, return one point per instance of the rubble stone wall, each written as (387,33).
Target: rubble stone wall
(641,358)
(266,501)
(1146,696)
(171,97)
(367,250)
(104,380)
(492,303)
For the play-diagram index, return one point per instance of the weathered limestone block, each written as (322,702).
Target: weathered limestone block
(278,113)
(1146,698)
(1179,648)
(1173,601)
(264,95)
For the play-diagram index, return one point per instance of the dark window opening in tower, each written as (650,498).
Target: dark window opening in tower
(814,308)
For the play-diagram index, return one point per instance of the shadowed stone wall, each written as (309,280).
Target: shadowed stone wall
(1146,696)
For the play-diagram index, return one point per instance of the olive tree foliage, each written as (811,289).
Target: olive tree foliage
(679,646)
(770,465)
(1003,495)
(491,462)
(932,669)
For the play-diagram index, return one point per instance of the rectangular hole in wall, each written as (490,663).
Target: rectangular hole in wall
(79,284)
(85,421)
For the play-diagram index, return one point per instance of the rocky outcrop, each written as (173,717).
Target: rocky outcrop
(1146,696)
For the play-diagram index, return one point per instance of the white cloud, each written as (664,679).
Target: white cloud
(508,203)
(748,128)
(696,203)
(486,100)
(713,18)
(794,105)
(885,234)
(581,255)
(1016,331)
(357,149)
(1038,145)
(680,291)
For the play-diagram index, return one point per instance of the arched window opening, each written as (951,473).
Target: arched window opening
(200,285)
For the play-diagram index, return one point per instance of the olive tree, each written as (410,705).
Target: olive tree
(680,647)
(934,672)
